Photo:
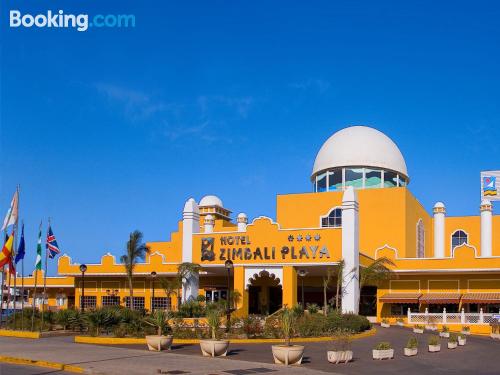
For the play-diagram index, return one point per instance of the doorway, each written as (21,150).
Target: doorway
(265,295)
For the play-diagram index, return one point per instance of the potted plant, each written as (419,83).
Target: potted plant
(341,348)
(385,323)
(461,340)
(383,350)
(453,341)
(287,354)
(431,324)
(159,320)
(418,328)
(466,330)
(214,347)
(495,330)
(411,347)
(434,344)
(445,332)
(400,322)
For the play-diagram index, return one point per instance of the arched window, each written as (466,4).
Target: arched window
(333,220)
(458,238)
(420,239)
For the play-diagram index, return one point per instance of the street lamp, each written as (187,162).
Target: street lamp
(153,276)
(83,269)
(229,266)
(302,274)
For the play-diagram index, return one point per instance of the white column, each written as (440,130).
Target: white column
(242,222)
(209,224)
(350,251)
(486,228)
(439,241)
(190,225)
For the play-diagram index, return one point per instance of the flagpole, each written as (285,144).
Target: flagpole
(22,291)
(14,250)
(45,281)
(38,246)
(34,299)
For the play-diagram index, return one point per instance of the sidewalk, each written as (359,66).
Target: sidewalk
(111,360)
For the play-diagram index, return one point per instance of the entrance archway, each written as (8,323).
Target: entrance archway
(265,294)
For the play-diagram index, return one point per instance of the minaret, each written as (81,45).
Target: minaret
(486,228)
(242,222)
(209,223)
(439,217)
(350,251)
(190,225)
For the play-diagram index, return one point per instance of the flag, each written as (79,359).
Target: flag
(21,248)
(38,262)
(6,254)
(11,217)
(51,244)
(490,185)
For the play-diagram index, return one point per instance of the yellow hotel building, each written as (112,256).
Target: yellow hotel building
(360,209)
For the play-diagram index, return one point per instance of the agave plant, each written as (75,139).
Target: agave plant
(287,324)
(213,321)
(99,319)
(159,320)
(63,317)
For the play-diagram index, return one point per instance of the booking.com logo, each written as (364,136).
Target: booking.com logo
(59,19)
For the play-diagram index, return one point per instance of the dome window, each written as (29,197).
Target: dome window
(459,237)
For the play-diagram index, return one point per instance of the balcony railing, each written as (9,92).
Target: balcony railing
(451,318)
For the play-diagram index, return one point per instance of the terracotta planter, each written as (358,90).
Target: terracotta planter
(444,334)
(418,330)
(385,325)
(159,343)
(340,356)
(452,345)
(214,348)
(410,352)
(434,348)
(288,355)
(462,341)
(383,354)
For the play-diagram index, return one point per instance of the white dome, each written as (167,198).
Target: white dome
(211,200)
(439,205)
(360,146)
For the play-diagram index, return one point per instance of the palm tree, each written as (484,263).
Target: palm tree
(170,286)
(136,250)
(377,271)
(326,283)
(338,272)
(186,270)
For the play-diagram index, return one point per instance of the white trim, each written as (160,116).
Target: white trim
(252,273)
(430,258)
(431,280)
(452,249)
(457,270)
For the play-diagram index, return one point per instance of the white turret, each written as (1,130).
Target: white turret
(439,218)
(242,222)
(209,224)
(486,228)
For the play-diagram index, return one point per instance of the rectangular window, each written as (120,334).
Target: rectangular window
(138,303)
(89,302)
(161,303)
(321,183)
(390,179)
(373,178)
(335,180)
(110,300)
(354,177)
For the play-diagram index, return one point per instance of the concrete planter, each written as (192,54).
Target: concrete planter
(452,345)
(401,324)
(465,333)
(340,356)
(418,330)
(434,348)
(159,343)
(288,355)
(444,334)
(495,336)
(385,325)
(431,328)
(410,352)
(214,348)
(462,341)
(383,354)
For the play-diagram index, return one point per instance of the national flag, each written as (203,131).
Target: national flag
(51,244)
(11,217)
(21,248)
(38,262)
(6,254)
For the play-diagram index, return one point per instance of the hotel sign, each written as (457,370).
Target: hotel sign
(240,248)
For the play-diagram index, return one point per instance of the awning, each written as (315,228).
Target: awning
(400,298)
(481,298)
(440,298)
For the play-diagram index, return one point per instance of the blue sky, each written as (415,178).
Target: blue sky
(111,130)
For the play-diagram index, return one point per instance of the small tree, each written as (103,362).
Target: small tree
(213,321)
(136,250)
(159,320)
(287,324)
(377,271)
(170,286)
(338,272)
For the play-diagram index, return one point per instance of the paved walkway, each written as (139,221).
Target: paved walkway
(8,369)
(112,360)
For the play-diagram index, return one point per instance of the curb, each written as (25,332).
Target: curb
(20,334)
(34,362)
(131,341)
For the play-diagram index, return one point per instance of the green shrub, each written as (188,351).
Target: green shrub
(158,319)
(311,325)
(412,343)
(453,337)
(445,329)
(213,321)
(466,328)
(341,341)
(384,345)
(62,317)
(418,326)
(298,310)
(272,327)
(312,308)
(252,326)
(351,322)
(434,340)
(287,324)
